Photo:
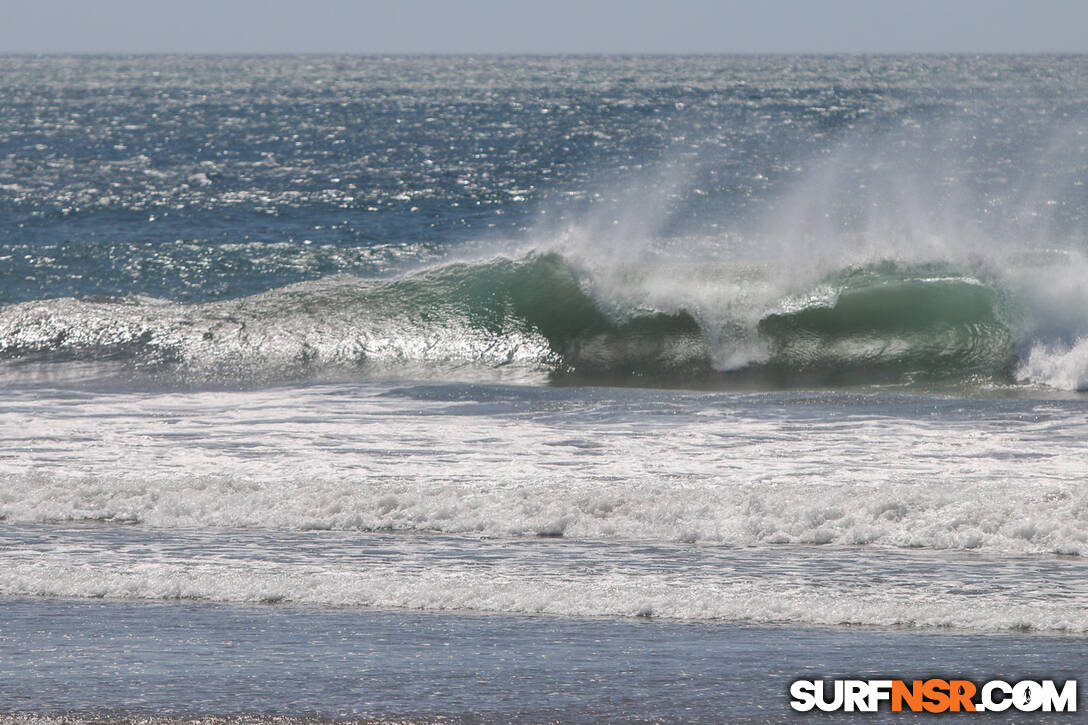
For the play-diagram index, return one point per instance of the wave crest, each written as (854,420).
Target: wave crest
(541,317)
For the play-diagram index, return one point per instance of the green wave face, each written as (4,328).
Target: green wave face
(880,324)
(886,324)
(541,295)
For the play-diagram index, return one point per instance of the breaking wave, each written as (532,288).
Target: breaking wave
(543,317)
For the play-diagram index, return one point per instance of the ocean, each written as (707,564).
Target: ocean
(538,389)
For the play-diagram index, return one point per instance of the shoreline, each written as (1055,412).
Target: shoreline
(64,662)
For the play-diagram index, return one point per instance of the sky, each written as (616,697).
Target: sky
(543,26)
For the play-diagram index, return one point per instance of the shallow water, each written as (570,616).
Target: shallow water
(181,658)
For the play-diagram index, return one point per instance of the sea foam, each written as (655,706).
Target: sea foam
(795,585)
(653,466)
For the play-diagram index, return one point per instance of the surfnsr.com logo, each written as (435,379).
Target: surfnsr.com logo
(934,695)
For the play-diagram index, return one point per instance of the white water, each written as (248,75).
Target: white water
(733,469)
(867,509)
(787,584)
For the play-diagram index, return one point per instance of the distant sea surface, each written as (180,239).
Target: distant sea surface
(534,389)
